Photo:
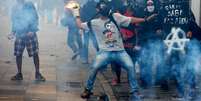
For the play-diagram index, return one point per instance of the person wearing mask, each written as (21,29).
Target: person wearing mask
(151,43)
(129,41)
(110,45)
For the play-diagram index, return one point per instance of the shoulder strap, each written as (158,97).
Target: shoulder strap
(114,21)
(111,19)
(90,27)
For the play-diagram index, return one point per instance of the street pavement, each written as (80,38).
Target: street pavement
(65,78)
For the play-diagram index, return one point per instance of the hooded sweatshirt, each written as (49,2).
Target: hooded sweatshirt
(175,13)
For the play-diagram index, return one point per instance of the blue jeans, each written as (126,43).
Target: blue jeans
(105,57)
(74,41)
(116,68)
(150,54)
(85,47)
(174,66)
(193,56)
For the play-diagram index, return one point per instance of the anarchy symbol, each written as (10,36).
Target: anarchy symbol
(176,40)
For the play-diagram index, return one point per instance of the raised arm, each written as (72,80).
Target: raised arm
(125,21)
(140,20)
(74,7)
(137,20)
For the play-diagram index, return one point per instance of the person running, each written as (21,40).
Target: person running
(74,40)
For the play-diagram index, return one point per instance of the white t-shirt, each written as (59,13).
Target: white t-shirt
(106,32)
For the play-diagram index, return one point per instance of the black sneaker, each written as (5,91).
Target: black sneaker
(39,77)
(17,77)
(86,94)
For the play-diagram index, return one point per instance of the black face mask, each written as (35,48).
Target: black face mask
(105,11)
(104,8)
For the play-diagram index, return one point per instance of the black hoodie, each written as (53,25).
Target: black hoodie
(175,13)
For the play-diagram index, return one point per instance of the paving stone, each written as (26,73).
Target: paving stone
(70,96)
(153,94)
(12,98)
(40,97)
(41,89)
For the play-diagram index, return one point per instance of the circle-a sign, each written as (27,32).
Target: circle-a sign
(176,40)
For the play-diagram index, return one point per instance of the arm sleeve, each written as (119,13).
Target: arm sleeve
(122,20)
(34,23)
(160,19)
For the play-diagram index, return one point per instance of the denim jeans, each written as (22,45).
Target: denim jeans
(192,60)
(74,41)
(116,68)
(105,57)
(174,66)
(146,63)
(85,48)
(150,56)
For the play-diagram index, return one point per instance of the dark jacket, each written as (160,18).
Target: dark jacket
(175,14)
(147,30)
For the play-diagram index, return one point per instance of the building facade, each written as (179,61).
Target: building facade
(196,8)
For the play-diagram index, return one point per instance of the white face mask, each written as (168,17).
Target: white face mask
(150,9)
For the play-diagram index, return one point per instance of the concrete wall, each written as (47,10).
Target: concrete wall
(195,6)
